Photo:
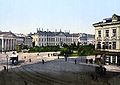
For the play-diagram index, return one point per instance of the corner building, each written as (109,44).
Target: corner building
(107,39)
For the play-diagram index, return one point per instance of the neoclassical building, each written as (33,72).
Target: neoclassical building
(7,41)
(44,38)
(107,39)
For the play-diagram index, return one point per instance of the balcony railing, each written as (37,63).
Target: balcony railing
(110,50)
(99,38)
(115,38)
(106,38)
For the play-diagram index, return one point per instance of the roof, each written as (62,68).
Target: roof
(76,34)
(7,33)
(49,33)
(115,19)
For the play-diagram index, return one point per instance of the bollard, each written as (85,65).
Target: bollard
(58,57)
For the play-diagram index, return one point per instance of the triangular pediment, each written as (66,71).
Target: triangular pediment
(61,34)
(7,34)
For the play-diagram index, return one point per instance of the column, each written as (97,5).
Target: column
(8,44)
(116,59)
(111,59)
(2,44)
(15,43)
(5,45)
(11,45)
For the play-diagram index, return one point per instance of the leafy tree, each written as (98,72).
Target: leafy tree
(18,48)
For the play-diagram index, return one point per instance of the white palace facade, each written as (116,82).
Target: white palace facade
(44,38)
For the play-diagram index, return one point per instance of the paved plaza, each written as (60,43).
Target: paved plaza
(54,71)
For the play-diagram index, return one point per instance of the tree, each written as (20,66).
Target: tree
(18,48)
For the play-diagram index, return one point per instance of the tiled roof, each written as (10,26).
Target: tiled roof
(49,33)
(115,19)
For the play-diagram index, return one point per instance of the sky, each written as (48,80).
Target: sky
(76,16)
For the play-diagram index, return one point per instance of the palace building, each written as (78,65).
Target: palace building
(107,39)
(44,38)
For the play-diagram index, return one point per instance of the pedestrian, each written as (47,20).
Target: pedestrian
(25,83)
(4,68)
(30,60)
(65,58)
(75,61)
(43,61)
(92,76)
(58,57)
(48,55)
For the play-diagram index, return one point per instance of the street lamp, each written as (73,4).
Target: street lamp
(6,58)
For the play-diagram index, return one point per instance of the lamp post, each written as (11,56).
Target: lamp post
(7,60)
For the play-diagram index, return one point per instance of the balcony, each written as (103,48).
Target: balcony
(106,38)
(115,38)
(109,50)
(99,38)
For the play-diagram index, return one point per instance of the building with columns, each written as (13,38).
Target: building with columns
(7,41)
(107,39)
(44,38)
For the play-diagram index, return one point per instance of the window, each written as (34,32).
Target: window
(114,45)
(114,32)
(99,33)
(103,45)
(99,45)
(107,33)
(109,46)
(106,45)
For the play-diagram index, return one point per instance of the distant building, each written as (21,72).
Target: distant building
(44,38)
(107,39)
(24,40)
(75,38)
(86,39)
(83,39)
(7,41)
(90,39)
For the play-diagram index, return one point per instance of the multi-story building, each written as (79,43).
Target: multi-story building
(24,40)
(107,39)
(90,39)
(44,38)
(83,39)
(75,38)
(86,39)
(7,41)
